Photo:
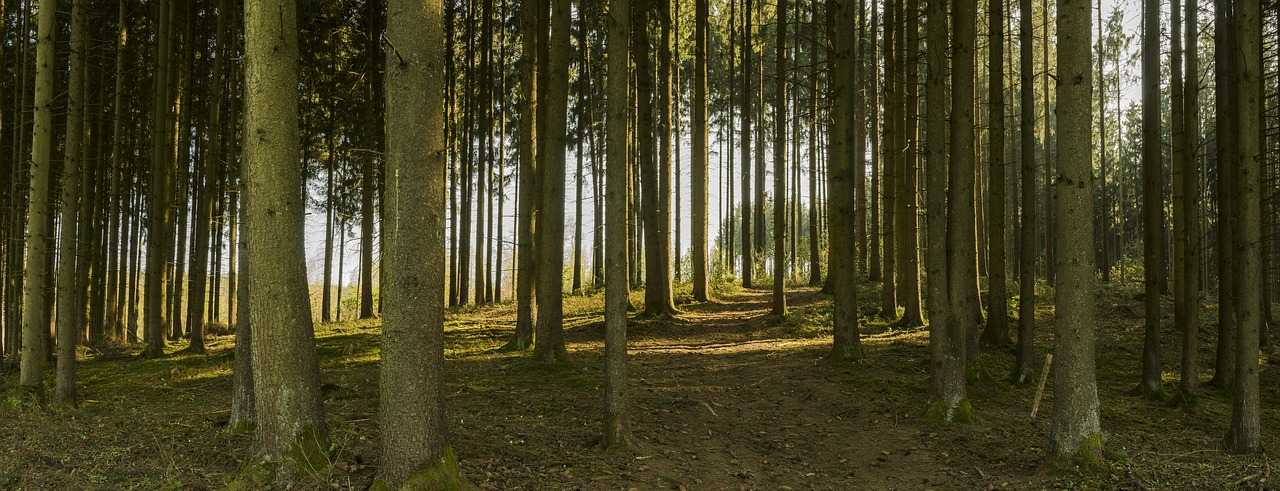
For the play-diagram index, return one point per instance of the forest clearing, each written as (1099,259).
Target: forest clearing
(726,397)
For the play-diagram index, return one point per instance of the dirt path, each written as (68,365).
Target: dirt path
(722,400)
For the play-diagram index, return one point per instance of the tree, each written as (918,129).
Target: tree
(1152,201)
(748,245)
(780,166)
(948,400)
(415,452)
(292,436)
(35,328)
(962,253)
(1225,124)
(1190,382)
(550,330)
(890,157)
(996,331)
(699,172)
(1024,367)
(69,327)
(842,165)
(617,430)
(158,218)
(527,213)
(1075,435)
(1245,432)
(908,262)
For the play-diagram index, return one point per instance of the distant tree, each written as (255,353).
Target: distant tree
(780,165)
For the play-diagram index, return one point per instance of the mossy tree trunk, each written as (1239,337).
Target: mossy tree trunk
(291,431)
(1075,435)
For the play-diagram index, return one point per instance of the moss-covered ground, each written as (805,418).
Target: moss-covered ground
(724,396)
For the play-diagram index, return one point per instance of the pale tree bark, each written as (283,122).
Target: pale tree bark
(617,429)
(68,270)
(291,436)
(1245,432)
(1075,435)
(415,449)
(35,329)
(948,400)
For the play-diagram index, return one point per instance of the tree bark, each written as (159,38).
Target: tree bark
(889,147)
(291,433)
(550,331)
(698,176)
(1024,366)
(748,247)
(1152,202)
(962,254)
(68,270)
(780,166)
(908,262)
(158,218)
(996,331)
(1075,435)
(844,164)
(617,430)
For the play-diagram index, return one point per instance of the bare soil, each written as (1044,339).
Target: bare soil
(724,396)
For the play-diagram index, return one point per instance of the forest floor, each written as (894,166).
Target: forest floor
(723,396)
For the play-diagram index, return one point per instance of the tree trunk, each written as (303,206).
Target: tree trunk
(1225,95)
(962,264)
(1075,435)
(889,146)
(616,427)
(1245,432)
(1050,247)
(845,163)
(68,274)
(873,87)
(550,339)
(698,176)
(526,257)
(996,331)
(35,332)
(1152,202)
(158,236)
(415,451)
(947,393)
(780,166)
(291,432)
(748,247)
(908,263)
(1024,366)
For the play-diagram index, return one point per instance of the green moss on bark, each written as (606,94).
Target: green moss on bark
(309,452)
(940,411)
(439,475)
(1087,458)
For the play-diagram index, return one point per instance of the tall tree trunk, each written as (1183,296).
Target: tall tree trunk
(291,433)
(873,243)
(35,332)
(1152,201)
(484,136)
(158,236)
(962,254)
(698,176)
(845,163)
(616,427)
(908,262)
(183,185)
(889,147)
(1245,432)
(748,243)
(1024,366)
(415,450)
(1075,435)
(1050,246)
(1190,382)
(526,262)
(996,331)
(550,339)
(780,166)
(213,176)
(948,400)
(1225,121)
(68,274)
